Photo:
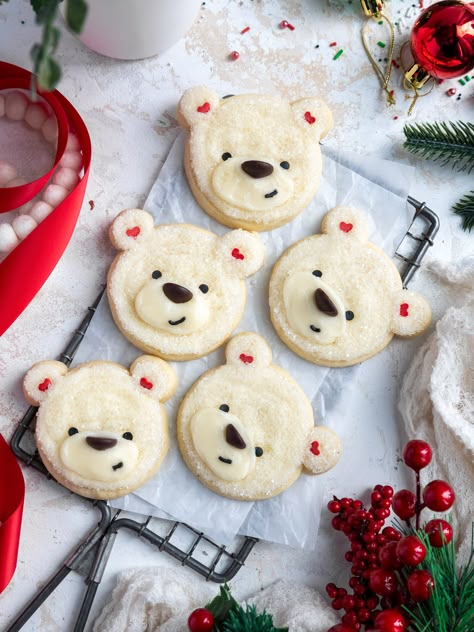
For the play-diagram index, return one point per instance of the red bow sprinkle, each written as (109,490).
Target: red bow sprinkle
(237,254)
(346,228)
(404,309)
(314,449)
(146,383)
(44,385)
(246,359)
(204,108)
(133,232)
(309,118)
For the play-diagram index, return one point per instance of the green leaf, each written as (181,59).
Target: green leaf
(45,10)
(76,12)
(465,209)
(48,73)
(222,604)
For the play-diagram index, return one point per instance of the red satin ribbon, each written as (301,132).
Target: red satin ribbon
(12,494)
(26,268)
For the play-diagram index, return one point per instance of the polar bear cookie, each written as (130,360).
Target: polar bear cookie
(101,430)
(246,429)
(176,290)
(336,299)
(252,161)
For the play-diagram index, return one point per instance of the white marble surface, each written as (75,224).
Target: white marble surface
(129,109)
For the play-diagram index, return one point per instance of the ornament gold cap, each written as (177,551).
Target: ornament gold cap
(416,76)
(372,8)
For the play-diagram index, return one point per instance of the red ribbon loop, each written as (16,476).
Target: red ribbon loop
(12,494)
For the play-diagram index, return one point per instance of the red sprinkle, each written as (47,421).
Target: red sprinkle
(395,63)
(290,26)
(395,118)
(44,385)
(246,359)
(247,28)
(346,228)
(237,254)
(309,118)
(204,108)
(283,24)
(333,44)
(146,383)
(451,92)
(234,55)
(404,309)
(314,449)
(133,232)
(91,205)
(421,4)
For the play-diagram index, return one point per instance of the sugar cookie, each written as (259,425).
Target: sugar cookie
(176,290)
(336,299)
(246,429)
(101,430)
(252,161)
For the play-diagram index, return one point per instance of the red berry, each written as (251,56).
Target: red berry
(331,590)
(388,556)
(346,502)
(438,496)
(375,497)
(389,621)
(372,602)
(334,506)
(420,585)
(439,532)
(348,602)
(404,504)
(391,534)
(341,627)
(363,614)
(350,618)
(387,491)
(410,550)
(383,582)
(201,620)
(337,603)
(417,454)
(336,523)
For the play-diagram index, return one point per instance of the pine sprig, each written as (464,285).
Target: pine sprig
(465,209)
(447,142)
(249,620)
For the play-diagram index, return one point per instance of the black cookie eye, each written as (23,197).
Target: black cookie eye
(349,315)
(72,431)
(226,156)
(204,288)
(224,408)
(317,273)
(156,274)
(258,451)
(128,436)
(285,165)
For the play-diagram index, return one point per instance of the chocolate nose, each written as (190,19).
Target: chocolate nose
(177,293)
(324,303)
(257,168)
(101,443)
(234,438)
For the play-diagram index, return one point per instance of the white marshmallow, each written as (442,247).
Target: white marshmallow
(72,160)
(23,210)
(15,106)
(54,194)
(7,172)
(67,178)
(23,225)
(40,211)
(35,116)
(72,143)
(50,129)
(8,238)
(2,105)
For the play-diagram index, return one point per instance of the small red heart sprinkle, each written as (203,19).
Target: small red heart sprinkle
(309,118)
(133,232)
(146,383)
(44,385)
(314,449)
(204,108)
(245,358)
(346,228)
(237,254)
(404,309)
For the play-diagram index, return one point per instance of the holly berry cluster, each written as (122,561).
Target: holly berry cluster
(385,579)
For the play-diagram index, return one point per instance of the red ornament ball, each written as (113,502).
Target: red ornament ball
(420,585)
(438,496)
(201,620)
(389,621)
(383,582)
(439,532)
(442,39)
(417,454)
(411,551)
(404,504)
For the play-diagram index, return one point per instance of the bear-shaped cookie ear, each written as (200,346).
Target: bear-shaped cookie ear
(130,228)
(248,350)
(411,314)
(313,115)
(345,222)
(155,377)
(41,378)
(322,450)
(196,105)
(241,253)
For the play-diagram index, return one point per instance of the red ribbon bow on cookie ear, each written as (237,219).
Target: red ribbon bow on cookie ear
(12,493)
(26,268)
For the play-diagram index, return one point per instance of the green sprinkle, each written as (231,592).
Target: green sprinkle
(380,21)
(467,78)
(462,82)
(338,54)
(381,44)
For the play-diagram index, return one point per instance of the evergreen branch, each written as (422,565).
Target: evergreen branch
(248,620)
(445,141)
(465,209)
